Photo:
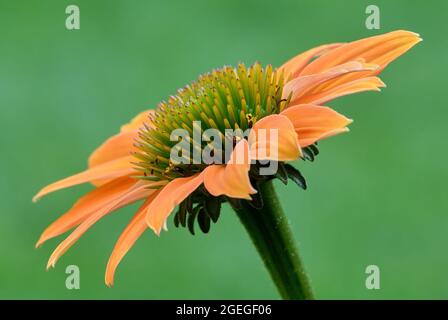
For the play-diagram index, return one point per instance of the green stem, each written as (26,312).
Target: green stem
(269,229)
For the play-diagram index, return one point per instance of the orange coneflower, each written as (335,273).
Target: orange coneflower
(135,164)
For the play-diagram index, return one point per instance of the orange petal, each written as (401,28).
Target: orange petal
(169,197)
(355,86)
(380,50)
(138,191)
(294,66)
(313,123)
(84,207)
(121,144)
(231,179)
(131,233)
(109,170)
(273,138)
(117,146)
(302,85)
(138,121)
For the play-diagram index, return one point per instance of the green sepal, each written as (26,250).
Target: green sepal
(308,154)
(191,218)
(182,213)
(296,176)
(212,207)
(257,199)
(176,219)
(203,220)
(235,203)
(314,149)
(281,173)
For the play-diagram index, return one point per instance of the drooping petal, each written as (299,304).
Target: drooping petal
(121,144)
(87,205)
(313,123)
(274,138)
(138,191)
(117,146)
(169,197)
(294,66)
(129,236)
(302,85)
(355,86)
(380,50)
(231,179)
(107,171)
(138,121)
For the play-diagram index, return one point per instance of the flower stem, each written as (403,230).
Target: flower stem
(269,229)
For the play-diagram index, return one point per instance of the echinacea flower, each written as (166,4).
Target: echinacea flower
(136,164)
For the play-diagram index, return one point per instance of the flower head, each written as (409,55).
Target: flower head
(247,120)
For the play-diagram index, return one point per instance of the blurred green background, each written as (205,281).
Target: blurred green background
(377,195)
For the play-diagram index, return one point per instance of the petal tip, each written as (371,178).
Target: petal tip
(38,244)
(150,225)
(416,34)
(50,264)
(36,198)
(248,197)
(109,281)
